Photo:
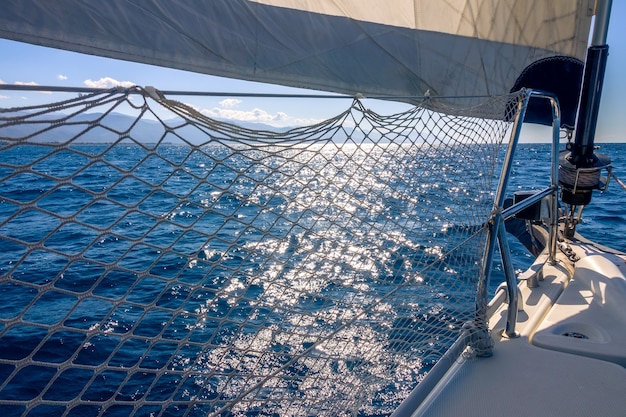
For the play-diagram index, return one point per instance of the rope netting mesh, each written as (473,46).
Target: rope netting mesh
(158,262)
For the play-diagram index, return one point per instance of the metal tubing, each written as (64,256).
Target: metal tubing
(482,296)
(498,230)
(601,25)
(508,159)
(554,178)
(554,173)
(511,282)
(527,202)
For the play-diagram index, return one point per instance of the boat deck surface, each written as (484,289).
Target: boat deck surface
(521,379)
(524,380)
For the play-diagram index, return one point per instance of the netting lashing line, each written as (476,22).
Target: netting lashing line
(159,262)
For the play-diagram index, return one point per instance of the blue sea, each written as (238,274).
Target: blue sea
(120,304)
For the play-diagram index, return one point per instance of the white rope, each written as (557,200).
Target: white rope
(620,182)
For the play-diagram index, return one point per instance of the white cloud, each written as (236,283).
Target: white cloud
(229,103)
(108,82)
(3,97)
(226,111)
(61,77)
(2,82)
(255,115)
(306,122)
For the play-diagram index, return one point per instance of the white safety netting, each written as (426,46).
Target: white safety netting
(158,262)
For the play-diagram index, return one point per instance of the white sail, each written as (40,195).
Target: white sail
(372,47)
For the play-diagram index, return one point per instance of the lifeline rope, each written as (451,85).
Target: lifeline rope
(620,182)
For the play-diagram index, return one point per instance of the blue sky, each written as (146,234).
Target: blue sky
(24,63)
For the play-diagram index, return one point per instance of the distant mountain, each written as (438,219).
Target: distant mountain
(100,128)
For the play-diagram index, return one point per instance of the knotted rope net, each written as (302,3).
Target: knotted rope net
(158,262)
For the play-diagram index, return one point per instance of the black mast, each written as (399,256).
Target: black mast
(593,78)
(579,172)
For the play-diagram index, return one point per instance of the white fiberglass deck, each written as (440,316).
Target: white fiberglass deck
(590,312)
(523,379)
